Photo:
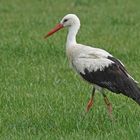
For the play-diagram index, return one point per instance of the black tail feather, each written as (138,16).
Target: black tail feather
(132,91)
(136,95)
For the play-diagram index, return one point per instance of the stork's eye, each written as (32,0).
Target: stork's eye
(65,20)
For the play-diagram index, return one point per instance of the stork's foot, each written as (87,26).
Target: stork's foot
(109,106)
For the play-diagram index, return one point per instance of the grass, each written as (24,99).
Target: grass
(40,96)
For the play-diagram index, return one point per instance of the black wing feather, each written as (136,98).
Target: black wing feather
(114,78)
(120,65)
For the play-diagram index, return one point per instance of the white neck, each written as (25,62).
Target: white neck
(71,37)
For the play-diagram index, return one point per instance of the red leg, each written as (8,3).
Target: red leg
(91,101)
(89,105)
(109,106)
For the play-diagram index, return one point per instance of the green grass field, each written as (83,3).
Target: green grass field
(41,97)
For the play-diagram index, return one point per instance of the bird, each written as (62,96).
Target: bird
(96,66)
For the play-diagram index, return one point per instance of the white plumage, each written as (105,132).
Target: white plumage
(82,56)
(93,59)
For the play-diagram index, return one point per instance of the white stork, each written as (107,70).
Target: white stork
(96,66)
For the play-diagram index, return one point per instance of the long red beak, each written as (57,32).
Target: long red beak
(58,27)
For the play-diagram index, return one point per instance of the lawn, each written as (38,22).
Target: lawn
(41,97)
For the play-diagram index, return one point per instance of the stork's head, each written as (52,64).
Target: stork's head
(70,20)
